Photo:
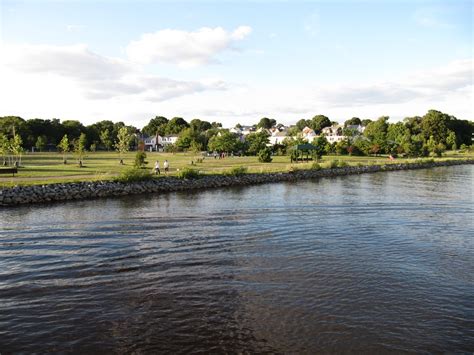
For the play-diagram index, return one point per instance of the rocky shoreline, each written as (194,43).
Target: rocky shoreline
(21,195)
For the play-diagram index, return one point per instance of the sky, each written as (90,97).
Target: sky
(235,62)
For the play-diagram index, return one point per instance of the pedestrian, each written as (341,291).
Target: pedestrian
(157,168)
(166,165)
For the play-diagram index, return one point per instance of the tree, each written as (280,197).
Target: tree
(224,142)
(4,147)
(80,148)
(319,122)
(435,124)
(436,149)
(176,125)
(301,124)
(255,142)
(63,146)
(319,144)
(140,160)
(40,143)
(123,142)
(16,149)
(199,126)
(265,155)
(187,137)
(266,123)
(451,140)
(156,125)
(106,139)
(354,121)
(365,122)
(376,132)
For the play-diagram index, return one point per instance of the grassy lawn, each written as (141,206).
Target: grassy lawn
(44,168)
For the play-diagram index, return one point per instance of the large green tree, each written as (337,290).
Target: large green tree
(255,142)
(319,122)
(176,125)
(266,123)
(376,133)
(224,141)
(435,124)
(156,125)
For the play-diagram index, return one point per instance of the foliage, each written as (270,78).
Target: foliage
(140,159)
(320,144)
(106,139)
(156,125)
(80,147)
(266,122)
(123,141)
(237,171)
(41,143)
(224,141)
(134,175)
(176,125)
(265,155)
(255,142)
(188,173)
(316,166)
(63,146)
(354,121)
(319,122)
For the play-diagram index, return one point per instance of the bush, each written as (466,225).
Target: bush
(265,155)
(342,164)
(333,164)
(188,173)
(237,171)
(133,175)
(316,166)
(140,160)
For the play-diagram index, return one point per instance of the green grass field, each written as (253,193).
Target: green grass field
(45,168)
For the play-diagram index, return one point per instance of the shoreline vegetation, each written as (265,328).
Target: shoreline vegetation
(140,181)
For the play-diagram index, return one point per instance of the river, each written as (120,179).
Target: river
(375,263)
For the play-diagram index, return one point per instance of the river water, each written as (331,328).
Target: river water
(371,263)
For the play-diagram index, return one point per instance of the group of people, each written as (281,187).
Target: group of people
(166,166)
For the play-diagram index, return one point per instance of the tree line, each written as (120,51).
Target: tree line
(414,136)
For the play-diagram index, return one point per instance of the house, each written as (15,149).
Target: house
(152,143)
(334,133)
(169,139)
(308,134)
(277,137)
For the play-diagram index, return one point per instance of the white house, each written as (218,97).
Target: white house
(334,133)
(277,137)
(169,139)
(308,134)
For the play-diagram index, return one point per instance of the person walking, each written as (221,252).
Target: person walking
(166,165)
(157,168)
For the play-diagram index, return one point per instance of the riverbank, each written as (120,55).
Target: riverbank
(21,195)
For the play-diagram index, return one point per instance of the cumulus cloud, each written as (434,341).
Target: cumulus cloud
(186,49)
(99,77)
(432,84)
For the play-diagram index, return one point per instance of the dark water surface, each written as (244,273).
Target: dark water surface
(372,263)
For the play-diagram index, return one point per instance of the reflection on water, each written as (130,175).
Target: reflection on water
(371,263)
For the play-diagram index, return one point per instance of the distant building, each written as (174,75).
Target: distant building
(334,133)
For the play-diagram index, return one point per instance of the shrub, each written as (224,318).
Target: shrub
(316,166)
(342,164)
(333,164)
(188,173)
(293,169)
(237,171)
(133,175)
(265,155)
(140,159)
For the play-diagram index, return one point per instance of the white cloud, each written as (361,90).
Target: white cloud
(186,49)
(96,76)
(434,84)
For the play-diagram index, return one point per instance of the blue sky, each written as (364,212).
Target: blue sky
(124,60)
